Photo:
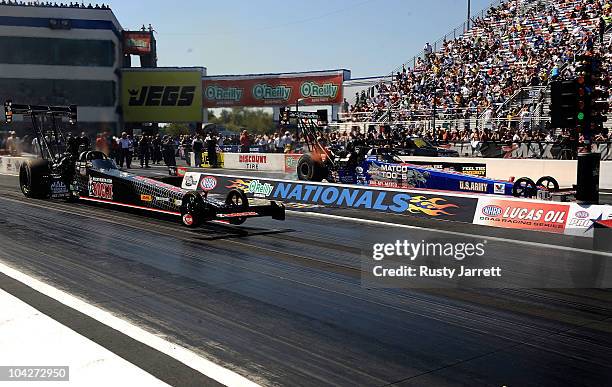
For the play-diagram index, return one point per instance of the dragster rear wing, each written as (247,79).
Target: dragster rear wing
(11,108)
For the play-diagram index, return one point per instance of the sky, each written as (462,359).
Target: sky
(368,37)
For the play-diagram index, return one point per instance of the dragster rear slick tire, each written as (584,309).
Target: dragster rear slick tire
(310,169)
(549,183)
(524,187)
(34,178)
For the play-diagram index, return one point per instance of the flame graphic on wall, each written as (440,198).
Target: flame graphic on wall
(239,184)
(429,206)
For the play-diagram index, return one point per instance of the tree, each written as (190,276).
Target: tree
(175,129)
(235,119)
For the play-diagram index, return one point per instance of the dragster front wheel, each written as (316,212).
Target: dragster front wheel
(237,199)
(192,209)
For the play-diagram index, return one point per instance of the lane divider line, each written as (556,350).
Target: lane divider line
(181,354)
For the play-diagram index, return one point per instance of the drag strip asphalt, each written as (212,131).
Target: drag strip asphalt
(281,303)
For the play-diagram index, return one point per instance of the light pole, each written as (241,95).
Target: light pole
(297,108)
(468,14)
(435,101)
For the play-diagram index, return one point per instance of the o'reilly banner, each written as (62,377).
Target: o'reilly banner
(168,95)
(272,90)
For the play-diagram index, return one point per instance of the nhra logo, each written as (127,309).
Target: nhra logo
(208,183)
(314,90)
(492,211)
(264,91)
(162,96)
(581,214)
(217,93)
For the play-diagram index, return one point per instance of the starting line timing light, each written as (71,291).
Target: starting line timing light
(8,112)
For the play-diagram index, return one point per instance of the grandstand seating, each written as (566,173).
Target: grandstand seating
(517,44)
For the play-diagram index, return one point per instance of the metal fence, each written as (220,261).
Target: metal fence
(525,150)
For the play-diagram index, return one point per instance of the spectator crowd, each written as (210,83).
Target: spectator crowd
(519,43)
(53,4)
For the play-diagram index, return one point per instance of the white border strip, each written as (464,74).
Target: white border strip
(184,355)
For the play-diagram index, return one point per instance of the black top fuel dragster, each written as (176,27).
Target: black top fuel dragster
(67,172)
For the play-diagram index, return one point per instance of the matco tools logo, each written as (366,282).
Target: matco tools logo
(217,93)
(162,96)
(314,90)
(264,91)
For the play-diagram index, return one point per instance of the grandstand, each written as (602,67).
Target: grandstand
(494,71)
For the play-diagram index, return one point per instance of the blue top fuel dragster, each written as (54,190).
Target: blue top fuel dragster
(359,163)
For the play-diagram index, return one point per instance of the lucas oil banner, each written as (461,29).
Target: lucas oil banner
(273,91)
(404,202)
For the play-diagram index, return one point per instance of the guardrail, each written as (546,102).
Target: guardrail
(487,210)
(524,150)
(487,149)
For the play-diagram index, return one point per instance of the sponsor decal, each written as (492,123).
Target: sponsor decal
(315,90)
(188,219)
(178,202)
(146,198)
(473,169)
(492,211)
(255,187)
(270,90)
(190,180)
(363,199)
(162,200)
(473,186)
(582,218)
(581,214)
(266,92)
(401,175)
(540,216)
(220,94)
(59,189)
(499,188)
(246,158)
(291,162)
(236,215)
(162,96)
(136,42)
(208,183)
(349,197)
(260,189)
(100,187)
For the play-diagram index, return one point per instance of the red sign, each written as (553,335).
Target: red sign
(273,91)
(526,215)
(291,162)
(136,43)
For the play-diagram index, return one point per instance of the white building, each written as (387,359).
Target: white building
(62,56)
